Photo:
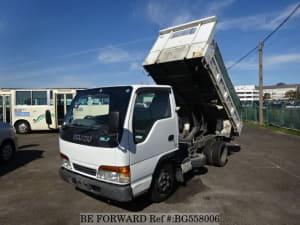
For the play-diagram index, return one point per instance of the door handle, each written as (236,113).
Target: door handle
(171,137)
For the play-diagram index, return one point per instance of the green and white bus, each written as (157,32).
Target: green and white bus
(25,108)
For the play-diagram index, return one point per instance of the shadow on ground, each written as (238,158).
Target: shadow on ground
(181,191)
(21,158)
(27,146)
(41,132)
(136,205)
(186,191)
(232,149)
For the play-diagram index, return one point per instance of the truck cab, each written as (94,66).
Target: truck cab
(113,138)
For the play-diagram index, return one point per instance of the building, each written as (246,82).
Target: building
(278,92)
(247,93)
(250,93)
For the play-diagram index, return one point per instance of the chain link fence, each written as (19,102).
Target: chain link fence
(281,114)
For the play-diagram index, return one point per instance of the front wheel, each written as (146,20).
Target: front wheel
(7,151)
(163,183)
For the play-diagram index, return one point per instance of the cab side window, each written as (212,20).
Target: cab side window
(149,107)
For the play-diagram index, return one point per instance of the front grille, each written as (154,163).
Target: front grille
(84,169)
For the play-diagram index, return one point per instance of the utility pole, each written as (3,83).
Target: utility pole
(261,114)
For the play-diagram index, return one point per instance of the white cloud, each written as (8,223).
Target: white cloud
(267,21)
(168,12)
(134,66)
(282,15)
(92,50)
(39,73)
(174,12)
(183,18)
(283,59)
(269,62)
(243,23)
(216,7)
(250,64)
(160,12)
(29,63)
(118,55)
(113,55)
(73,81)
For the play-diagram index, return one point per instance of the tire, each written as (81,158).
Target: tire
(163,183)
(22,127)
(7,151)
(208,150)
(220,154)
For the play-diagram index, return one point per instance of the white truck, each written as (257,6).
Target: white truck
(120,142)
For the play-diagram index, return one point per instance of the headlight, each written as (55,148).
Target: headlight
(65,161)
(114,174)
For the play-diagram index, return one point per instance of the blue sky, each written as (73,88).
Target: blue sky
(98,43)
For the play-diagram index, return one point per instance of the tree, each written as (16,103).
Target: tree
(297,95)
(280,84)
(267,96)
(291,95)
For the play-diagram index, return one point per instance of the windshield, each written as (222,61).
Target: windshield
(90,113)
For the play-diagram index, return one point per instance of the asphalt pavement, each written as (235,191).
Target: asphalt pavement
(259,185)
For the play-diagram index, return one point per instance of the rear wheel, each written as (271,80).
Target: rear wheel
(22,127)
(7,151)
(220,154)
(163,183)
(208,150)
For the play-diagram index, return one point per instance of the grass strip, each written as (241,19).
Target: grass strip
(280,129)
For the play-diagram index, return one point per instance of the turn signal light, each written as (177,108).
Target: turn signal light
(115,174)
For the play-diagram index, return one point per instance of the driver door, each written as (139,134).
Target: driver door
(154,130)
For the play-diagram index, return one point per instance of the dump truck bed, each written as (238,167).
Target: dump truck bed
(187,58)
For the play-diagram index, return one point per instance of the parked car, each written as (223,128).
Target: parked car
(8,142)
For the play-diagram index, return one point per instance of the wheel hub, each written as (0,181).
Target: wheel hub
(22,127)
(164,182)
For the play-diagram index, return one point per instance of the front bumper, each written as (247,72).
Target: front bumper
(121,193)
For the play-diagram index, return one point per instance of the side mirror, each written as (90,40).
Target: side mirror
(48,117)
(113,121)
